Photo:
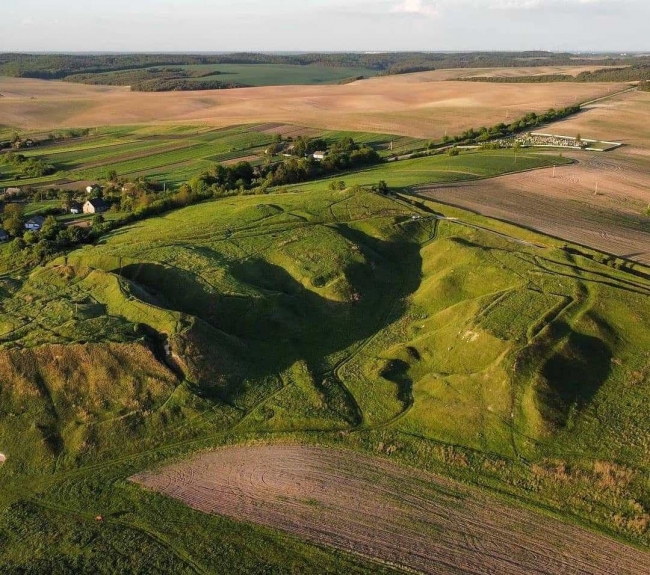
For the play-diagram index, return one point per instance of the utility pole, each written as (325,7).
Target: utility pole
(553,170)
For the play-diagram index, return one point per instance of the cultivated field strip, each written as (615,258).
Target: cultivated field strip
(392,514)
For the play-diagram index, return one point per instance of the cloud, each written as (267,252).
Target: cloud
(417,7)
(435,7)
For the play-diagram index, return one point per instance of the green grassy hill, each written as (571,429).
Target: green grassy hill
(461,345)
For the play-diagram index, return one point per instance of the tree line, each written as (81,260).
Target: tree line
(60,66)
(624,74)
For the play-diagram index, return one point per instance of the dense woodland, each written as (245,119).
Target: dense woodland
(95,69)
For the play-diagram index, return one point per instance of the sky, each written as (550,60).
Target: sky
(323,25)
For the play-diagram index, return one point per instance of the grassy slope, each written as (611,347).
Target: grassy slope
(452,347)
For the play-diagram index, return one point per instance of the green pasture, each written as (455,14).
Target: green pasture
(440,169)
(275,74)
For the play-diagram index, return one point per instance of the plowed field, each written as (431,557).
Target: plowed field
(597,202)
(386,512)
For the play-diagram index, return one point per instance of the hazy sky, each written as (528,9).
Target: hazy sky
(333,25)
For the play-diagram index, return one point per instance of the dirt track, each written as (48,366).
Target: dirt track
(566,205)
(420,105)
(390,513)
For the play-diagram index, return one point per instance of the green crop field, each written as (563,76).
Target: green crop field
(276,74)
(441,169)
(462,346)
(173,154)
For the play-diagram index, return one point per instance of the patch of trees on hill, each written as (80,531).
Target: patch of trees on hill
(27,167)
(301,167)
(157,80)
(626,74)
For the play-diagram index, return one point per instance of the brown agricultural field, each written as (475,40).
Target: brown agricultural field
(598,201)
(515,72)
(419,105)
(391,514)
(623,118)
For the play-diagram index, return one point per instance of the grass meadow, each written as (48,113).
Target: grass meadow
(463,346)
(388,324)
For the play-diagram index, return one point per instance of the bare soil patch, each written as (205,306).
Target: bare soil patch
(418,105)
(389,513)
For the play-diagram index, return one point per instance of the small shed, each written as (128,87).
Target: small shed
(3,458)
(75,208)
(319,155)
(93,188)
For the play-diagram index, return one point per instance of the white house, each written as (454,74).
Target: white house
(91,189)
(95,206)
(319,155)
(34,224)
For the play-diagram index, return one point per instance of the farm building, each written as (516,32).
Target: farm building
(318,155)
(95,206)
(11,192)
(34,224)
(75,208)
(93,188)
(4,236)
(2,458)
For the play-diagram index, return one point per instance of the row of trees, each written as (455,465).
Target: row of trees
(502,130)
(625,74)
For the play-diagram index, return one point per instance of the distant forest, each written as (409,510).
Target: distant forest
(132,68)
(631,73)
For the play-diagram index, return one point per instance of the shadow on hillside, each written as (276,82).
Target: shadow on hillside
(573,375)
(276,320)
